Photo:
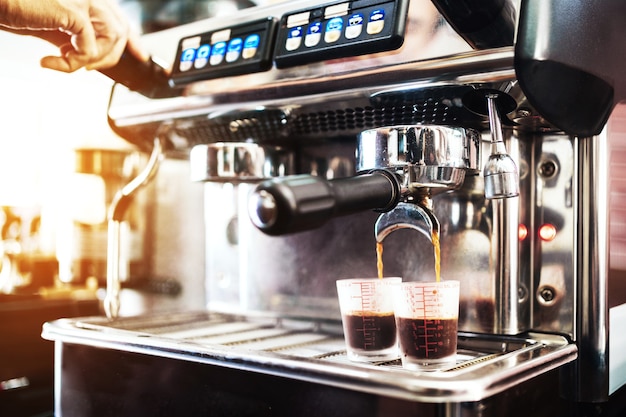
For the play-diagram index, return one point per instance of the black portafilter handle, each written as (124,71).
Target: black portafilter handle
(145,77)
(303,202)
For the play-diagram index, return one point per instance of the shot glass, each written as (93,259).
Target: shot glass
(427,315)
(368,319)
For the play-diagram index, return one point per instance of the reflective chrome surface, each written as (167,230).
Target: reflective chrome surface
(500,171)
(592,267)
(115,217)
(425,156)
(416,215)
(343,103)
(315,351)
(237,161)
(536,263)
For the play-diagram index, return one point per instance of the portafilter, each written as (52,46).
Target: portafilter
(398,164)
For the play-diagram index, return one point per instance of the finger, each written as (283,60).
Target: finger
(111,31)
(58,63)
(83,37)
(67,62)
(110,52)
(75,54)
(135,47)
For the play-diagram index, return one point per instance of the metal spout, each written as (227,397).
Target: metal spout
(117,210)
(414,215)
(500,171)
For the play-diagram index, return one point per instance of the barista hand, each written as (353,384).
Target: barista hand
(89,33)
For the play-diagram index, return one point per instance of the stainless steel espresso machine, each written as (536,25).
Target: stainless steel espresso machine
(321,129)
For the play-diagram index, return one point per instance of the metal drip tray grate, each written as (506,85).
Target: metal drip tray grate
(315,351)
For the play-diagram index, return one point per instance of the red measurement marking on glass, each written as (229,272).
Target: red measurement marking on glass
(427,334)
(370,330)
(369,323)
(366,297)
(427,328)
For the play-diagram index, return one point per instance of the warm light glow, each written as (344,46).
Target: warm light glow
(45,115)
(547,232)
(522,232)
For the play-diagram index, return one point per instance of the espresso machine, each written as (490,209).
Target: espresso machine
(321,130)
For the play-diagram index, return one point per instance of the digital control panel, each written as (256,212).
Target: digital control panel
(340,30)
(242,49)
(335,30)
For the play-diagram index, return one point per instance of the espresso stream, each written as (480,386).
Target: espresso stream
(416,335)
(437,249)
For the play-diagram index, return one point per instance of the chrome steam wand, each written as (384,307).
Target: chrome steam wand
(500,172)
(117,210)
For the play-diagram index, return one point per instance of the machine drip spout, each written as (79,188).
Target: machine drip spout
(408,215)
(415,213)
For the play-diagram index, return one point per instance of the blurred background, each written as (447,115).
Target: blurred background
(60,166)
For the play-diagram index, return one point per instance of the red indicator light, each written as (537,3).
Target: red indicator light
(547,232)
(522,232)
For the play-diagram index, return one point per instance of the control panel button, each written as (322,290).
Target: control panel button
(186,59)
(218,53)
(233,52)
(334,27)
(202,56)
(250,46)
(295,39)
(376,22)
(355,26)
(313,34)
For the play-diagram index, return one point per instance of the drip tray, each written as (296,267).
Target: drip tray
(314,351)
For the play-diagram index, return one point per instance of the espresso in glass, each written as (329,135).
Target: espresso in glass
(368,318)
(427,340)
(370,331)
(427,321)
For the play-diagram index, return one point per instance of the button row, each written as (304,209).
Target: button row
(324,32)
(351,28)
(341,30)
(200,56)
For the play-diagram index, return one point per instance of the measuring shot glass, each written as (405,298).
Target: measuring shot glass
(368,319)
(427,315)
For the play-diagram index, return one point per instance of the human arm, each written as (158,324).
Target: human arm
(89,33)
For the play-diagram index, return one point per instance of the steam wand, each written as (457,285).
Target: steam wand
(117,210)
(500,171)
